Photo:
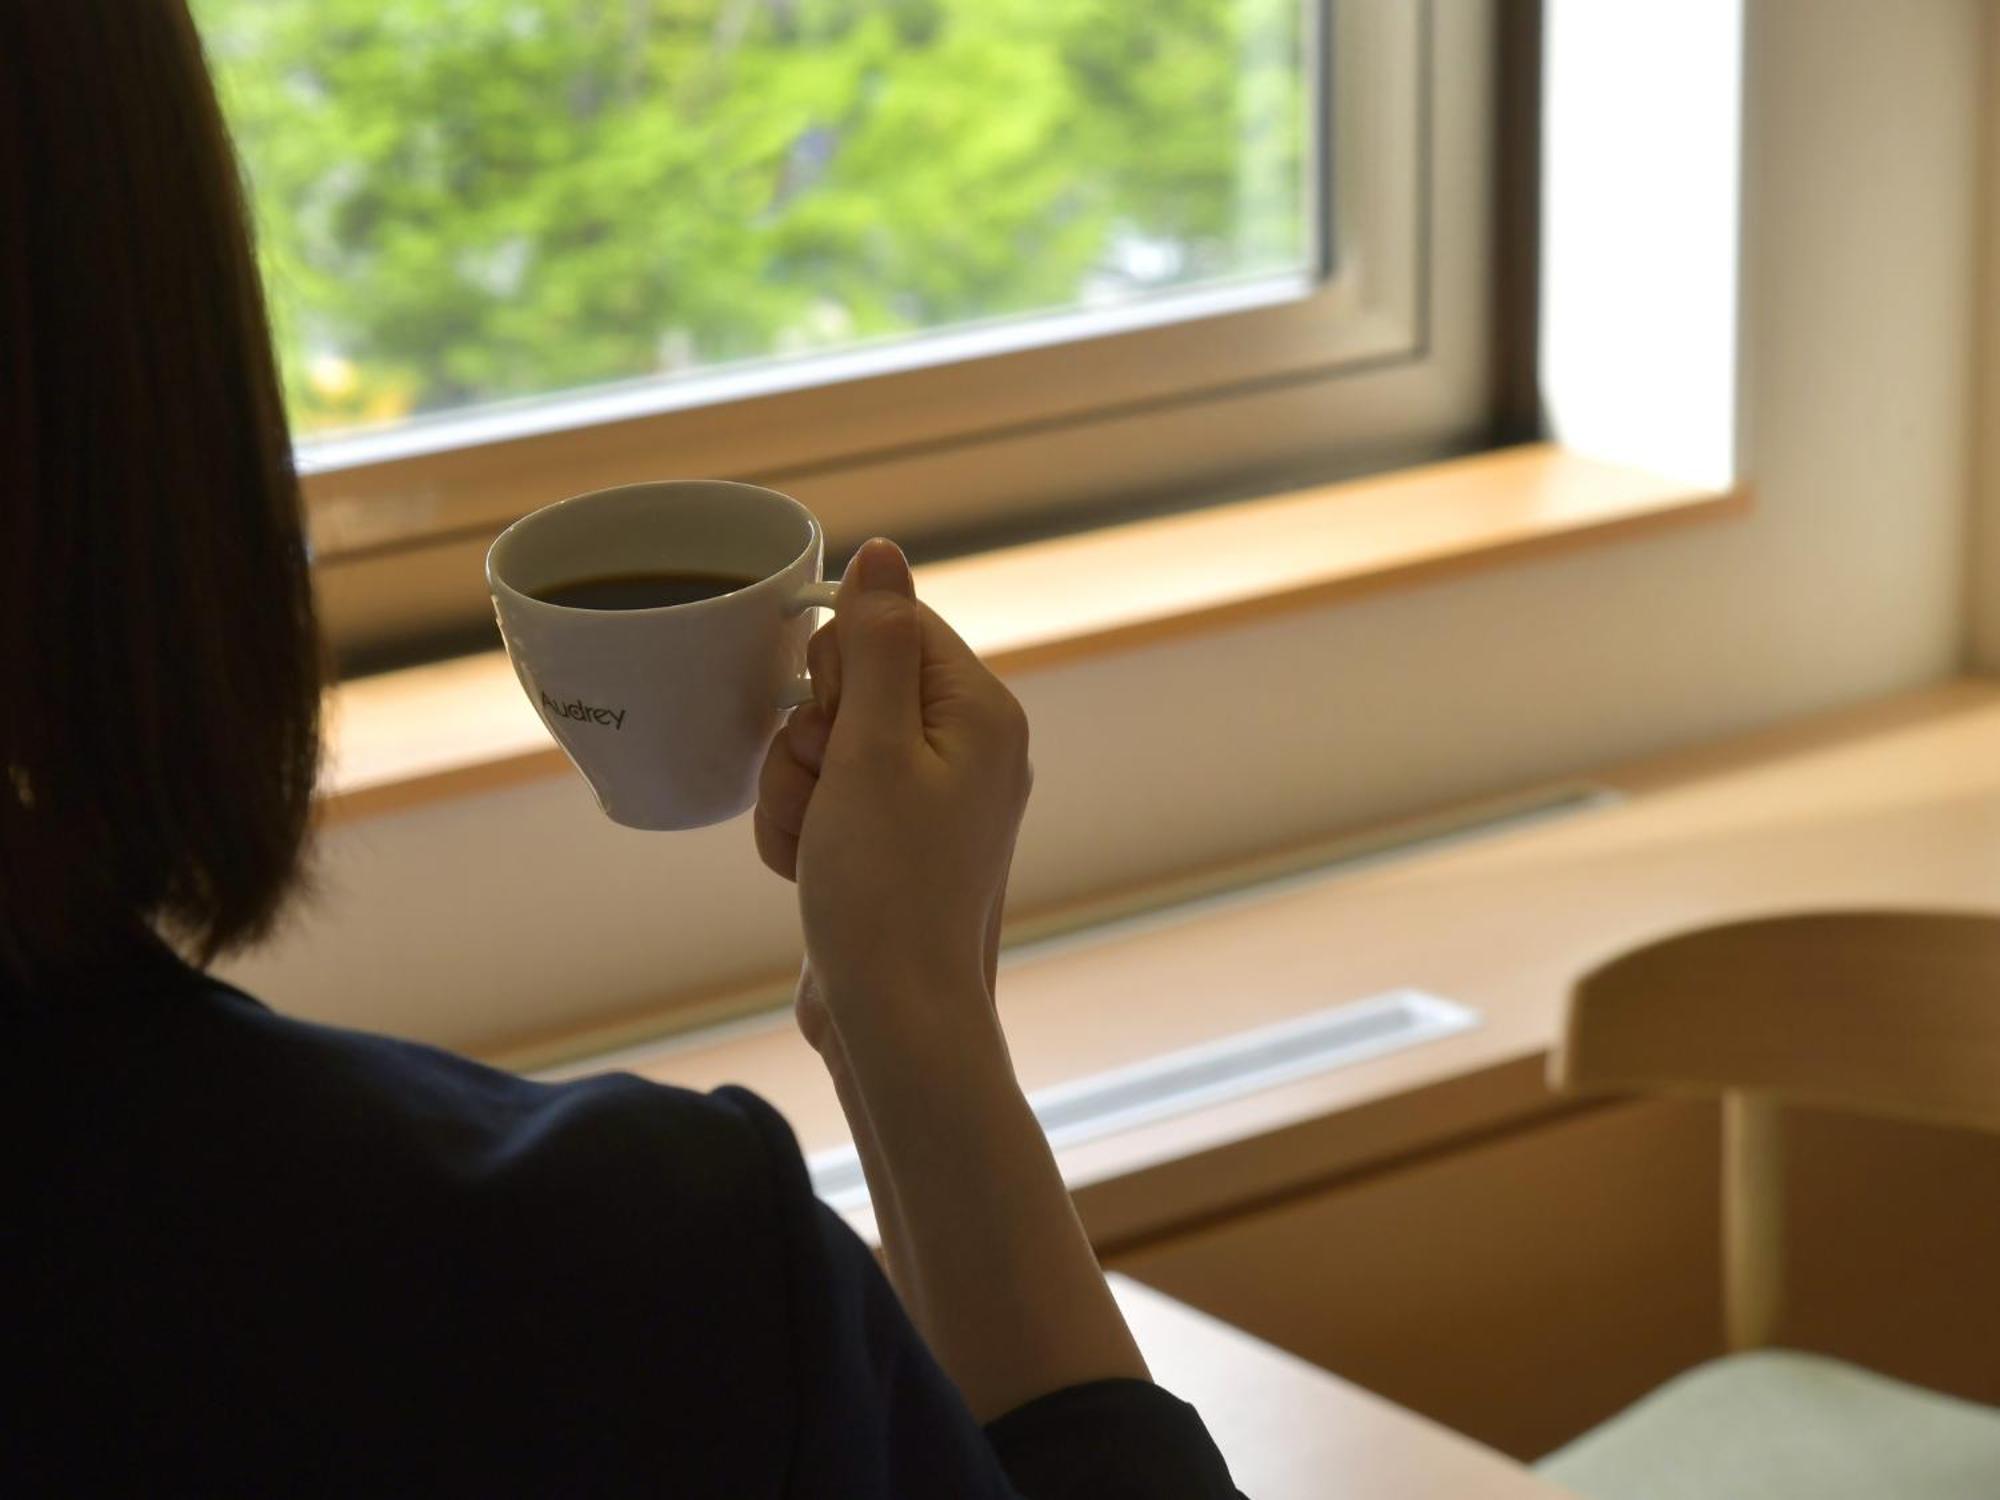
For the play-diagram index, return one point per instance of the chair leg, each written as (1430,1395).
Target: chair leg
(1752,1219)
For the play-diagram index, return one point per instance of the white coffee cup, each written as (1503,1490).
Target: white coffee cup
(665,711)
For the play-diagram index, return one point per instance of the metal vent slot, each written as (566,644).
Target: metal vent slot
(1229,1068)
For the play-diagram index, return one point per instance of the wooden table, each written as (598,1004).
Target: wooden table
(1290,1431)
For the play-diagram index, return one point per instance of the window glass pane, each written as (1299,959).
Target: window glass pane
(464,201)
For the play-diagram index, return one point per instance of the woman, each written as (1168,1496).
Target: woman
(247,1255)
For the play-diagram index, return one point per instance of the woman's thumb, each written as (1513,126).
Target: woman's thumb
(881,648)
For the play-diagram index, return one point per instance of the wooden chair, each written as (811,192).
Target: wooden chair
(1893,1014)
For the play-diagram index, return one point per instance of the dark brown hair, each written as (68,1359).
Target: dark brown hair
(160,730)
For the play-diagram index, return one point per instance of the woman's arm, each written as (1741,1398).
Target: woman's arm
(1008,1292)
(895,803)
(817,1028)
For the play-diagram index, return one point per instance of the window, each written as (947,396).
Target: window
(933,265)
(465,203)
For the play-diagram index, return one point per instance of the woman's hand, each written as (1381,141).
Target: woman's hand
(894,799)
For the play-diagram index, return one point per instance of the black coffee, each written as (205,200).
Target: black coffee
(641,590)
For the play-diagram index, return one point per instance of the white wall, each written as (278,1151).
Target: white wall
(1847,582)
(1983,556)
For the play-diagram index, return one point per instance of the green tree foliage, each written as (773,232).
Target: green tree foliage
(470,200)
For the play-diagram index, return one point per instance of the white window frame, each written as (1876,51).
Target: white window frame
(1025,426)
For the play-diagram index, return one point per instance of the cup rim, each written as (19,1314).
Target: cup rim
(496,584)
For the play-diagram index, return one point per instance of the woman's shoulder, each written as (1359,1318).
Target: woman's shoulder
(205,1072)
(388,1231)
(478,1121)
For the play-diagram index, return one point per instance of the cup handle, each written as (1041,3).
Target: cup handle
(811,596)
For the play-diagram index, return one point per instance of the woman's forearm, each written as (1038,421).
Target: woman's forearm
(881,1186)
(1008,1292)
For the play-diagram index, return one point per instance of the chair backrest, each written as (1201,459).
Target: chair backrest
(1895,1014)
(1882,1013)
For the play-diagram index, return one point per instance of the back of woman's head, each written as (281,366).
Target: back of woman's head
(159,735)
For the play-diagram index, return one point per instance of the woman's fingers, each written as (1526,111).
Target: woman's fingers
(785,787)
(965,704)
(956,686)
(880,706)
(823,662)
(779,850)
(806,735)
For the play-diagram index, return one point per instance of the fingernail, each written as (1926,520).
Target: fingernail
(880,564)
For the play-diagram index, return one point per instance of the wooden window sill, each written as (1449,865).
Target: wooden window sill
(461,726)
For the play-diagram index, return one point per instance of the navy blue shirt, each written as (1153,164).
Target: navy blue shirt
(247,1255)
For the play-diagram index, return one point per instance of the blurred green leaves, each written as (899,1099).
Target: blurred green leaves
(470,200)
